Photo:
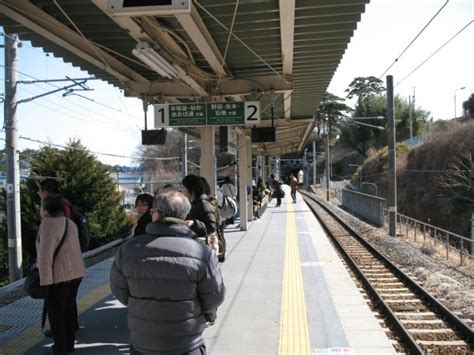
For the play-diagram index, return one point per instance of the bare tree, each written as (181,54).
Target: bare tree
(456,185)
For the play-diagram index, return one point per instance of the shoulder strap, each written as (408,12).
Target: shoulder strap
(230,189)
(56,251)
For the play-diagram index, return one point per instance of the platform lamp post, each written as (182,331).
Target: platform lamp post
(455,91)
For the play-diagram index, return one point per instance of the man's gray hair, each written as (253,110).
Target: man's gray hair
(172,204)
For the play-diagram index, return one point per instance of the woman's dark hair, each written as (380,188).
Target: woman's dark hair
(227,180)
(206,186)
(195,184)
(50,185)
(145,198)
(53,205)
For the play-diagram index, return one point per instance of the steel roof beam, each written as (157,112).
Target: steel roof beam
(198,32)
(24,12)
(227,87)
(287,34)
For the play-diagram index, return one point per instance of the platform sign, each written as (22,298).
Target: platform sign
(207,114)
(180,115)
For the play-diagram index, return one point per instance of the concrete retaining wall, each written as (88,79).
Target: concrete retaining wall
(366,206)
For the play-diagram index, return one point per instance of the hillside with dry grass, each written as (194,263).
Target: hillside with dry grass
(435,181)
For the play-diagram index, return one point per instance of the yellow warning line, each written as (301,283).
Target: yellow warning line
(33,335)
(294,336)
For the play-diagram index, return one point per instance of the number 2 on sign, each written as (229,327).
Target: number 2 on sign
(252,112)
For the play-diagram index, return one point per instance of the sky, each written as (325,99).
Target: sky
(111,123)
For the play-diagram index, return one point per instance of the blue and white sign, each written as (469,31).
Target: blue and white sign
(129,169)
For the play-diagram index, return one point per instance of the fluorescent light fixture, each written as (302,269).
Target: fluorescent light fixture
(155,61)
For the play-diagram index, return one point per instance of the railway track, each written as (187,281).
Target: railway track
(420,323)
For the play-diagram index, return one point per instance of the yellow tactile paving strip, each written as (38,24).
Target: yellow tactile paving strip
(294,336)
(33,335)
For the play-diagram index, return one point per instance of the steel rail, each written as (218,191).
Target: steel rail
(431,302)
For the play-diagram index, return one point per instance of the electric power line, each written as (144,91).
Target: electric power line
(414,39)
(90,151)
(436,51)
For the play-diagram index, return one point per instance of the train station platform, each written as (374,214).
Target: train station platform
(287,293)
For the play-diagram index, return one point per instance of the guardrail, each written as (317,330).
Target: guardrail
(17,285)
(451,241)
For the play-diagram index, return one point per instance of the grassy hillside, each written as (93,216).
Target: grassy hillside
(435,182)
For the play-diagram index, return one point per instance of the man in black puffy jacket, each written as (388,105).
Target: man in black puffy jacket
(169,281)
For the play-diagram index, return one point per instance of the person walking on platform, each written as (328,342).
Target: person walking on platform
(143,204)
(169,281)
(61,267)
(293,186)
(278,192)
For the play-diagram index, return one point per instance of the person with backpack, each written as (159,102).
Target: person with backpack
(228,191)
(50,188)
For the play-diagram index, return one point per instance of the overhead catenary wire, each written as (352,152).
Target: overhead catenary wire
(228,40)
(435,52)
(94,152)
(238,39)
(414,39)
(72,102)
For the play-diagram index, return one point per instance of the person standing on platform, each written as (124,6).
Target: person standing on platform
(61,267)
(143,204)
(169,281)
(228,189)
(278,192)
(50,188)
(293,186)
(201,218)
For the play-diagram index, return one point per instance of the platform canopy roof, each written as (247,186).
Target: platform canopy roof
(283,53)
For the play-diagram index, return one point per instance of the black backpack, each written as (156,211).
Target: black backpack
(82,223)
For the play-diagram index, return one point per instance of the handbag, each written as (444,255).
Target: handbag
(32,285)
(228,208)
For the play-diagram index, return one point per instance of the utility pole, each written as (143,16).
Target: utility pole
(410,116)
(314,164)
(13,176)
(392,172)
(184,159)
(327,161)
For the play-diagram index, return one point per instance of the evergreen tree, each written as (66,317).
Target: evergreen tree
(84,181)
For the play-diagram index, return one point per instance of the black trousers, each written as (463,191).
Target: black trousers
(293,195)
(62,315)
(198,351)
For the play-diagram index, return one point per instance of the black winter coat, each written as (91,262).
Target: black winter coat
(203,215)
(142,223)
(168,280)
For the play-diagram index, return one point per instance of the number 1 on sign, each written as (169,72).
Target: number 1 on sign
(162,115)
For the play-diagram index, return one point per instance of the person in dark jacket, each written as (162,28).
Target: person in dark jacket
(201,218)
(169,281)
(143,204)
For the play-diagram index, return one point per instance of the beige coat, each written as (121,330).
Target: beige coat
(69,264)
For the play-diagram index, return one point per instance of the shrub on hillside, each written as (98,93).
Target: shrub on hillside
(438,181)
